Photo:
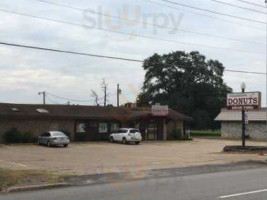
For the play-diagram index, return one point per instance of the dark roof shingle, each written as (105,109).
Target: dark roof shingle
(79,112)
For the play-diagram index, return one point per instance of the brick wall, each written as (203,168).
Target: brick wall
(36,126)
(233,130)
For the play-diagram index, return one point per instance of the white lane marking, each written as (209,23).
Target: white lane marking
(243,194)
(13,163)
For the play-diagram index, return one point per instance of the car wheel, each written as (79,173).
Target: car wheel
(137,143)
(111,139)
(38,142)
(124,141)
(65,145)
(48,144)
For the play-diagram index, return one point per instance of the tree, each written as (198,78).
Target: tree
(187,82)
(104,87)
(95,96)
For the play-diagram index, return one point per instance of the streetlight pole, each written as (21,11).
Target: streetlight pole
(118,95)
(243,87)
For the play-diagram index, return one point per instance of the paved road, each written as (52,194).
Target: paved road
(234,185)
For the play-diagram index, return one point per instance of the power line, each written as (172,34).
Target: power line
(68,99)
(68,52)
(240,7)
(146,23)
(101,56)
(205,15)
(75,100)
(254,4)
(52,101)
(132,35)
(246,72)
(214,12)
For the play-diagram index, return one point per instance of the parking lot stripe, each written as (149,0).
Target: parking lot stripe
(242,194)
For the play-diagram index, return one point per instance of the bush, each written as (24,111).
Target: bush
(15,136)
(80,137)
(29,138)
(12,136)
(175,134)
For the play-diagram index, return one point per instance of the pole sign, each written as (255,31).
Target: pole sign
(244,101)
(160,111)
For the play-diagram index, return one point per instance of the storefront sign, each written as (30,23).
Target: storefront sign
(160,111)
(244,101)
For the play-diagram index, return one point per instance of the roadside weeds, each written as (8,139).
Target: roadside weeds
(27,178)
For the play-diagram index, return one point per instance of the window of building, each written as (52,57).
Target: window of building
(80,128)
(41,110)
(114,127)
(103,127)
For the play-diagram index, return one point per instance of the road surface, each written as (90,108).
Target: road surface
(234,185)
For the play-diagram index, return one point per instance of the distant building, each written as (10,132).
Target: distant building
(231,124)
(91,123)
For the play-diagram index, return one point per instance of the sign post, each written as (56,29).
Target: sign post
(244,101)
(243,87)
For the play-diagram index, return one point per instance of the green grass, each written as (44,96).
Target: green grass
(206,133)
(10,178)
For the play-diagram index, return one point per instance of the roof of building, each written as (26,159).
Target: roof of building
(8,110)
(235,115)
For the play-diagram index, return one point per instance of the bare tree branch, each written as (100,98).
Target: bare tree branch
(95,95)
(104,87)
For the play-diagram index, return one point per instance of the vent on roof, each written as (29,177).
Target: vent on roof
(15,109)
(41,110)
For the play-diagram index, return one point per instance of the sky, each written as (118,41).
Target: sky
(238,44)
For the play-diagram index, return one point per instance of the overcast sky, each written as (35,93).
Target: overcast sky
(26,72)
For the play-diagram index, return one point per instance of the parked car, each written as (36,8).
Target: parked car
(126,135)
(54,138)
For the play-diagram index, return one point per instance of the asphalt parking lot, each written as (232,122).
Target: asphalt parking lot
(98,158)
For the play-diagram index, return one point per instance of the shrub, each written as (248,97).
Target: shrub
(80,137)
(12,136)
(175,134)
(28,137)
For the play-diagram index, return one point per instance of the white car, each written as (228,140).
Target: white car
(126,135)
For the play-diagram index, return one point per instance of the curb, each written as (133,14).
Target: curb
(36,187)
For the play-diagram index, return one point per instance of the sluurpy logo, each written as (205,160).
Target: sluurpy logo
(131,21)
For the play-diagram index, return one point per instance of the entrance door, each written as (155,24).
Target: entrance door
(152,131)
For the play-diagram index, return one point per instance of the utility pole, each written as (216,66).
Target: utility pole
(118,95)
(44,96)
(243,87)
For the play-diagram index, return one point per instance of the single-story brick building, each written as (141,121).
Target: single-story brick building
(231,124)
(91,123)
